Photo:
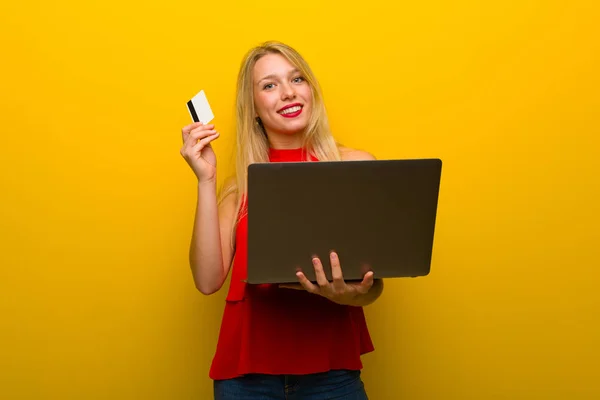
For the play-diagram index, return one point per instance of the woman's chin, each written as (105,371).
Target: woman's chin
(291,130)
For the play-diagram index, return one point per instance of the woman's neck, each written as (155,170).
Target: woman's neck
(284,142)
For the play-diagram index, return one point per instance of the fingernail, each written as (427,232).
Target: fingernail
(333,255)
(315,261)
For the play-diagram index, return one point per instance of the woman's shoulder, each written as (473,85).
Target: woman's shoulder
(350,154)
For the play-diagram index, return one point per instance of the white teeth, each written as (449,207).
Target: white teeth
(291,110)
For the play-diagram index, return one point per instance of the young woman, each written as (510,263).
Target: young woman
(299,341)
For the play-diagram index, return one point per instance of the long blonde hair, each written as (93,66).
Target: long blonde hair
(252,143)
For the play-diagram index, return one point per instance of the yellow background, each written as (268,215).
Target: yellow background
(97,300)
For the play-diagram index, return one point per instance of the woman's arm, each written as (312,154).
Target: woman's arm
(211,250)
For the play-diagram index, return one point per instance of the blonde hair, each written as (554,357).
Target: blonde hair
(252,142)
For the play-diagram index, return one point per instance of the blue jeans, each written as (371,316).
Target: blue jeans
(338,384)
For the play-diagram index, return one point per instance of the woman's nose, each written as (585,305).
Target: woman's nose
(287,92)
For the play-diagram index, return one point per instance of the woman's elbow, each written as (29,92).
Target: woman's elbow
(206,287)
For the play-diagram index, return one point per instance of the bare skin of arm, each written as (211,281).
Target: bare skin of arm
(211,250)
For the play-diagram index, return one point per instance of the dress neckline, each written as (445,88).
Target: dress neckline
(295,154)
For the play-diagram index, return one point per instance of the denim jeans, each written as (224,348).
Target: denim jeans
(338,384)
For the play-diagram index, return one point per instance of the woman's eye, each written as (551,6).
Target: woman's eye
(268,86)
(299,79)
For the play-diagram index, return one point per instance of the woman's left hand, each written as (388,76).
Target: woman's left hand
(337,291)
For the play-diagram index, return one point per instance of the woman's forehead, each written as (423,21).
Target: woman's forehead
(273,64)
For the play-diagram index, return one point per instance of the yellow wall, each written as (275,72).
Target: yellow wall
(97,301)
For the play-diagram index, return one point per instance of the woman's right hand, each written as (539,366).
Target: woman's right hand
(197,150)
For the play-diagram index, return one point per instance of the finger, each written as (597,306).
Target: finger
(320,273)
(201,127)
(196,128)
(198,134)
(366,283)
(306,284)
(336,270)
(197,137)
(204,142)
(188,128)
(185,131)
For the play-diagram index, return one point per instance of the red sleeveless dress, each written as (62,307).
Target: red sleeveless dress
(269,330)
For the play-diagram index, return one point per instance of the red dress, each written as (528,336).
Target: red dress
(269,330)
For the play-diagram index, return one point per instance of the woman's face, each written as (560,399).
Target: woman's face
(282,97)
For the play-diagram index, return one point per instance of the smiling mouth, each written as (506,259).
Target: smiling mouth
(292,111)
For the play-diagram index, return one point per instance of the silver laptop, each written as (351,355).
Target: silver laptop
(378,215)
